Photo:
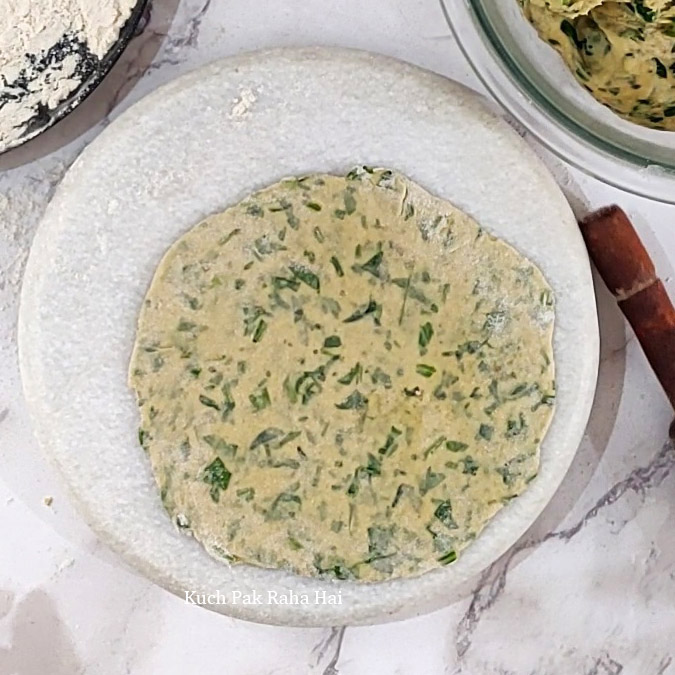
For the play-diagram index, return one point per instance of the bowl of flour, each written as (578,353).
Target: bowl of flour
(53,54)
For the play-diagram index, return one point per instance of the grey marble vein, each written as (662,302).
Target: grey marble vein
(606,665)
(320,649)
(618,351)
(639,480)
(188,37)
(331,668)
(490,586)
(665,662)
(191,33)
(493,581)
(172,53)
(3,415)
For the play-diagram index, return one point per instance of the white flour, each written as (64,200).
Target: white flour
(242,105)
(29,29)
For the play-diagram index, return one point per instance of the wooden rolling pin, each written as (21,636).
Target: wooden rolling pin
(628,271)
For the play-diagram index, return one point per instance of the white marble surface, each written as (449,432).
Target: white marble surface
(590,590)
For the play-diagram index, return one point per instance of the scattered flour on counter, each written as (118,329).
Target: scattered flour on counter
(64,565)
(23,197)
(38,68)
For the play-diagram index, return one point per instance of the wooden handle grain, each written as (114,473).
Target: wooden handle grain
(628,271)
(618,253)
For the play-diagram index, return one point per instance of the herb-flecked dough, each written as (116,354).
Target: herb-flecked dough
(343,377)
(622,52)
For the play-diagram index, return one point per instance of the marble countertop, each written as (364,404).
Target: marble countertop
(589,590)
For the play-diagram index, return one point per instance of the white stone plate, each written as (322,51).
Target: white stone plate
(192,148)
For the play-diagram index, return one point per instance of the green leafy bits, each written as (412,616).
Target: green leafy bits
(364,473)
(430,481)
(470,347)
(378,376)
(255,210)
(638,6)
(229,236)
(380,542)
(371,307)
(217,476)
(260,399)
(259,330)
(285,506)
(337,266)
(424,370)
(470,466)
(372,266)
(354,375)
(185,326)
(434,446)
(332,341)
(228,402)
(273,438)
(306,276)
(444,513)
(253,315)
(358,171)
(350,202)
(425,335)
(309,384)
(355,401)
(448,557)
(546,399)
(330,306)
(661,70)
(456,446)
(516,427)
(485,431)
(265,246)
(142,436)
(282,282)
(208,402)
(221,445)
(403,490)
(521,390)
(390,445)
(386,179)
(546,298)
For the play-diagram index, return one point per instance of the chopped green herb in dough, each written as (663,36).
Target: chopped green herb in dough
(218,477)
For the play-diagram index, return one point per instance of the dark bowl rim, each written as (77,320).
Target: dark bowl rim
(88,86)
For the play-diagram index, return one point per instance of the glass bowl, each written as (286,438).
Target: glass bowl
(533,84)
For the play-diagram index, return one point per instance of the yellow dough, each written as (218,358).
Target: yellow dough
(622,52)
(343,376)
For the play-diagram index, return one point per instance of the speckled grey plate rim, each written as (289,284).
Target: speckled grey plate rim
(180,154)
(51,117)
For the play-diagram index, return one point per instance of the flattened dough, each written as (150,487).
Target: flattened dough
(343,376)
